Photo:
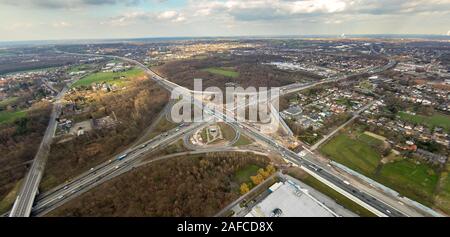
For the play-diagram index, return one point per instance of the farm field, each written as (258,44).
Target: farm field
(411,178)
(355,154)
(416,181)
(442,199)
(437,120)
(110,77)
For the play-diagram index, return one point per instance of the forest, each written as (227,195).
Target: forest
(19,141)
(249,71)
(198,185)
(135,108)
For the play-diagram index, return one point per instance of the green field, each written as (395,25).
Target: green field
(7,116)
(243,140)
(228,132)
(442,199)
(8,101)
(366,85)
(203,135)
(437,120)
(227,72)
(355,154)
(369,140)
(416,181)
(243,175)
(110,77)
(78,68)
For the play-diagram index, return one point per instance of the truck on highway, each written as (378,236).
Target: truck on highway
(122,156)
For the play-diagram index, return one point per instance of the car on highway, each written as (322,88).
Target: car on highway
(121,157)
(313,167)
(143,146)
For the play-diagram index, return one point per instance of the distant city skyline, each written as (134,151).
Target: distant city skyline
(23,20)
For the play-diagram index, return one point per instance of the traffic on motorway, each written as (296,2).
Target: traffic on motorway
(105,171)
(124,161)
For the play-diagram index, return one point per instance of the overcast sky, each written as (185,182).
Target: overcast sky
(89,19)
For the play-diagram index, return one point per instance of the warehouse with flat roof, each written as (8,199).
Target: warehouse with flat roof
(289,200)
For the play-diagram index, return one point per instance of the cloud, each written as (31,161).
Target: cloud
(235,14)
(141,16)
(19,26)
(269,9)
(253,10)
(223,17)
(127,18)
(172,16)
(61,24)
(69,4)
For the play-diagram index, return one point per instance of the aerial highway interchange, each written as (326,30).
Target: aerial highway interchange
(28,203)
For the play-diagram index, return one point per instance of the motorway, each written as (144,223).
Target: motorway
(288,89)
(381,208)
(102,173)
(378,207)
(27,193)
(23,204)
(366,200)
(374,205)
(107,170)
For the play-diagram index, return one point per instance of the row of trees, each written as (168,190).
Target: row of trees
(261,175)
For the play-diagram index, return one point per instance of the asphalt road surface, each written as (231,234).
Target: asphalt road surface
(381,208)
(105,171)
(27,193)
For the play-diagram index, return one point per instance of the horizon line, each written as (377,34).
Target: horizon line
(343,36)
